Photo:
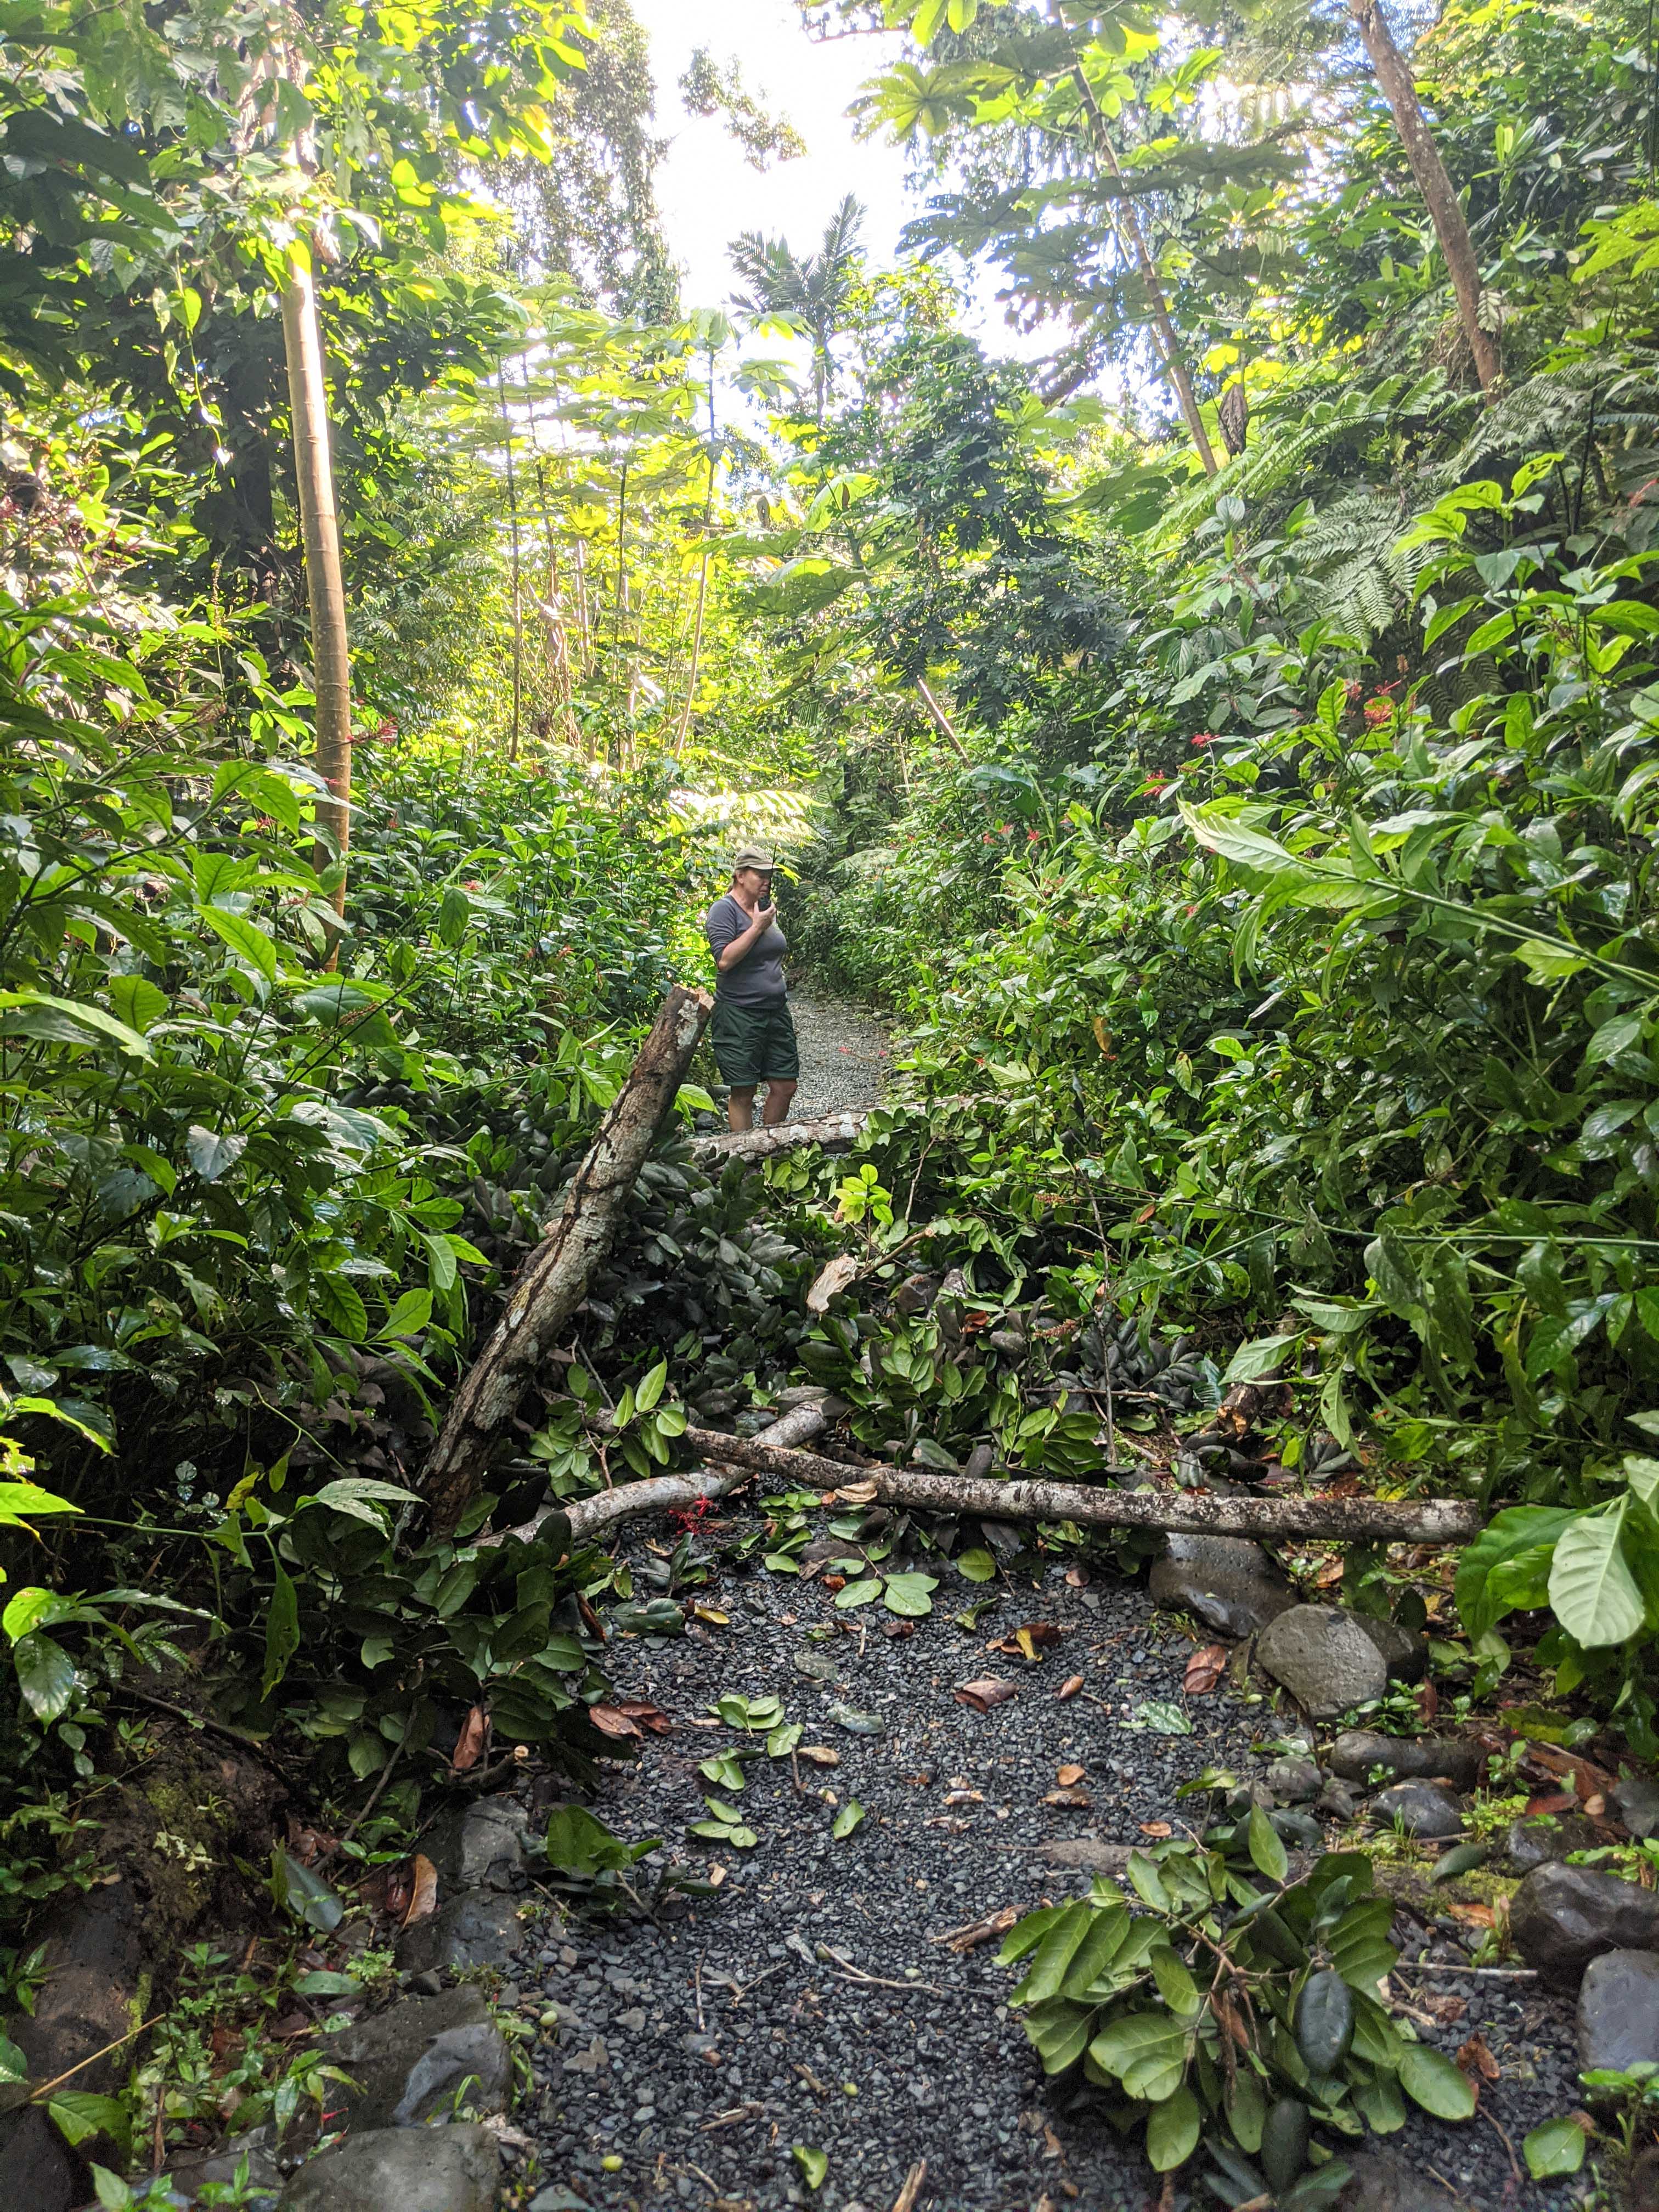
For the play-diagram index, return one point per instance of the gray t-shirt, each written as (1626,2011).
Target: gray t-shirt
(757,978)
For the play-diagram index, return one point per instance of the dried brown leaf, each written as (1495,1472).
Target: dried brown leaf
(831,1280)
(1477,2060)
(471,1743)
(1066,1776)
(984,1692)
(1069,1689)
(615,1724)
(647,1714)
(856,1493)
(1076,1800)
(1156,1828)
(422,1889)
(819,1755)
(1205,1669)
(973,1933)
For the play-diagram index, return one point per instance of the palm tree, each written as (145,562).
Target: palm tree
(811,292)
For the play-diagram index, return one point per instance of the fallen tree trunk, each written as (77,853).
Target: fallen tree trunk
(553,1280)
(664,1493)
(1178,1512)
(830,1130)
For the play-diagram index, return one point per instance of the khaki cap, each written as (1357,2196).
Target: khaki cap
(752,856)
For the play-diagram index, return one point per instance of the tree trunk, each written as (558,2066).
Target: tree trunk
(1167,340)
(832,1131)
(1393,74)
(1181,1512)
(320,534)
(553,1281)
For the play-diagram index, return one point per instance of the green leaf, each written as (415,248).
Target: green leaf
(1264,1356)
(213,1154)
(579,1844)
(306,1895)
(813,2164)
(359,1495)
(1172,2130)
(976,1566)
(1593,1593)
(782,1740)
(79,2116)
(1555,2148)
(45,1675)
(1429,2078)
(282,1630)
(860,1593)
(849,1817)
(14,2067)
(77,1023)
(907,1595)
(340,1307)
(245,939)
(1267,1852)
(651,1388)
(111,2192)
(408,1317)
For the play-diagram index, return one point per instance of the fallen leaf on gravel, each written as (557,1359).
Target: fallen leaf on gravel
(1066,1776)
(855,1722)
(422,1889)
(647,1714)
(814,2163)
(1556,1801)
(984,1692)
(1478,1916)
(1331,1572)
(470,1744)
(1069,1689)
(953,1824)
(1447,2010)
(1077,1578)
(973,1933)
(1162,1717)
(1156,1828)
(1205,1669)
(897,1628)
(713,1615)
(616,1725)
(1078,1800)
(848,1818)
(1477,2062)
(834,1581)
(965,1796)
(819,1754)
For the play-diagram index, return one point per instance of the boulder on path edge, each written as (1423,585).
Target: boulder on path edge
(1226,1582)
(1324,1658)
(409,2061)
(1619,2012)
(1357,1753)
(399,2170)
(1420,1810)
(1563,1916)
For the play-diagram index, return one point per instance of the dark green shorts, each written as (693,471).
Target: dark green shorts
(753,1044)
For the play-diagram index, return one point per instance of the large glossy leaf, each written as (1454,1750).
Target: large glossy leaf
(1592,1591)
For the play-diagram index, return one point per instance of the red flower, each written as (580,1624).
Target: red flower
(1030,836)
(1205,737)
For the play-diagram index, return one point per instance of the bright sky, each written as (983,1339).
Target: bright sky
(708,192)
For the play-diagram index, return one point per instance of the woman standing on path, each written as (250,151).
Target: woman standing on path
(751,1029)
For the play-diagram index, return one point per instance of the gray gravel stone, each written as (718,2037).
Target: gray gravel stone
(1619,2012)
(1530,1844)
(479,1847)
(846,1055)
(1384,2182)
(1563,1916)
(1324,1658)
(479,1928)
(1226,1582)
(399,2170)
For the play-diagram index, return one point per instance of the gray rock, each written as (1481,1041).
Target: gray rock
(1636,1801)
(1420,1810)
(1358,1752)
(1293,1781)
(1563,1916)
(1405,1655)
(1536,1843)
(264,2177)
(1226,1582)
(1383,2181)
(480,1846)
(1619,2012)
(476,1929)
(410,2062)
(1324,1658)
(399,2170)
(1336,1802)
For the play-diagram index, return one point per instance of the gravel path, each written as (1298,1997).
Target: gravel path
(845,1054)
(693,2055)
